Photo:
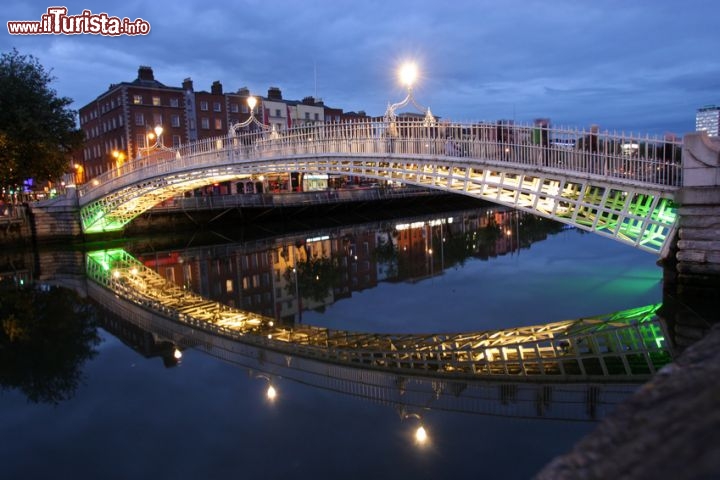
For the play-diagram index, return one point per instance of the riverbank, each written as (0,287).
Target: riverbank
(32,224)
(15,228)
(670,428)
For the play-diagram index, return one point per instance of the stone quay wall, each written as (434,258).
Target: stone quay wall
(698,243)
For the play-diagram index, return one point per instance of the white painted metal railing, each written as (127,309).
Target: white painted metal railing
(642,160)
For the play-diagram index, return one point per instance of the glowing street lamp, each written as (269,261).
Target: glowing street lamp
(119,157)
(158,132)
(155,135)
(251,103)
(154,140)
(79,173)
(408,74)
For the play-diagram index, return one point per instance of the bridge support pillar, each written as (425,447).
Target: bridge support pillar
(692,270)
(56,222)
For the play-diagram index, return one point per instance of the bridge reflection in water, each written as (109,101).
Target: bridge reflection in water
(575,369)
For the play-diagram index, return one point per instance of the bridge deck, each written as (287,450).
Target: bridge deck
(617,186)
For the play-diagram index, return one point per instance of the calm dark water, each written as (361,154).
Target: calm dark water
(130,416)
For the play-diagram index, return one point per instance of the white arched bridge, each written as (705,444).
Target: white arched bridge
(615,185)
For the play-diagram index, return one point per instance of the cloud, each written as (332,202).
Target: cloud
(611,63)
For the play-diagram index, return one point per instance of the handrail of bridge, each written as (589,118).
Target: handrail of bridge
(609,348)
(641,159)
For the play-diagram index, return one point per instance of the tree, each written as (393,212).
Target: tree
(37,129)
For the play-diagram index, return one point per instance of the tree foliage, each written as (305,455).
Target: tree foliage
(37,129)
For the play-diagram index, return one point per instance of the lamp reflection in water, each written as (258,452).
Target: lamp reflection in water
(421,435)
(271,392)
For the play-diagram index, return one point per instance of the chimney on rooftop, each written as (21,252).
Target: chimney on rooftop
(187,85)
(216,88)
(274,93)
(145,73)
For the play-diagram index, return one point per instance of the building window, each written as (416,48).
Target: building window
(277,112)
(157,118)
(156,101)
(307,115)
(174,102)
(216,107)
(317,116)
(175,120)
(204,106)
(139,119)
(229,286)
(140,141)
(234,108)
(137,99)
(245,109)
(218,124)
(204,122)
(176,140)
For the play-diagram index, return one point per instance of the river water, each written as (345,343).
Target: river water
(130,410)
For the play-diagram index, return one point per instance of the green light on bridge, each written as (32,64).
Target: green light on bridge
(105,226)
(107,258)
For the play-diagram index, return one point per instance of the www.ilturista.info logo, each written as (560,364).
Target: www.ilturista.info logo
(57,22)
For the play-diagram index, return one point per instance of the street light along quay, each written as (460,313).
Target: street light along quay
(119,157)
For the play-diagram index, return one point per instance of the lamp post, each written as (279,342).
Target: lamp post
(79,174)
(251,103)
(408,74)
(154,136)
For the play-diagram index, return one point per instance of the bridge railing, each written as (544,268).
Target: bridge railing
(641,159)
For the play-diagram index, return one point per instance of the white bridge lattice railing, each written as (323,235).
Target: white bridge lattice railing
(616,185)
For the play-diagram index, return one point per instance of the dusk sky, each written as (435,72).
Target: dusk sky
(643,66)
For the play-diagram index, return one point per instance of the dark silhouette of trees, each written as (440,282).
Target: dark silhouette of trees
(45,338)
(37,129)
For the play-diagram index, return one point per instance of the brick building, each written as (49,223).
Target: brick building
(120,123)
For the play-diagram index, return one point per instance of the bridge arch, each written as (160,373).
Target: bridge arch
(601,189)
